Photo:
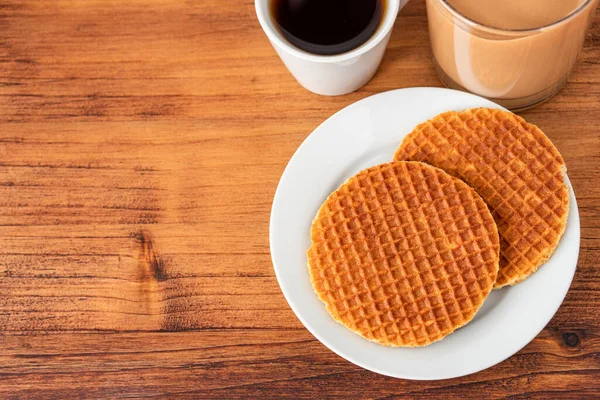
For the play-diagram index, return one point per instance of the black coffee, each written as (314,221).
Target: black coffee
(327,27)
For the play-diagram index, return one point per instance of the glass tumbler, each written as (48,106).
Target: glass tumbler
(515,68)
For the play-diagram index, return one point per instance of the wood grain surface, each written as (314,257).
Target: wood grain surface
(141,143)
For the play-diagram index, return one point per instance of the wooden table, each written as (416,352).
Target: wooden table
(141,144)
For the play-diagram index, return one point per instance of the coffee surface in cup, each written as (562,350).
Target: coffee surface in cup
(515,14)
(327,27)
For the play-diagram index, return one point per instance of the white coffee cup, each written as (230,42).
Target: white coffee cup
(331,75)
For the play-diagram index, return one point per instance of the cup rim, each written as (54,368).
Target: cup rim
(493,29)
(261,6)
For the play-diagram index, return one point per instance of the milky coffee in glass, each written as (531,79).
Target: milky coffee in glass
(515,52)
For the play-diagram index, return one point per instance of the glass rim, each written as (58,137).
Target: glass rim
(474,24)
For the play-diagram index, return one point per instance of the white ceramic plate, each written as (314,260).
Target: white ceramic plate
(359,136)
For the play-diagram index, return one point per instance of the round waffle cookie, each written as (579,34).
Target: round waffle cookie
(514,167)
(403,254)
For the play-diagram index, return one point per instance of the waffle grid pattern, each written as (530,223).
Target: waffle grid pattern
(403,254)
(514,167)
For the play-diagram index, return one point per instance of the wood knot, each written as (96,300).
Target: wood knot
(152,266)
(571,339)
